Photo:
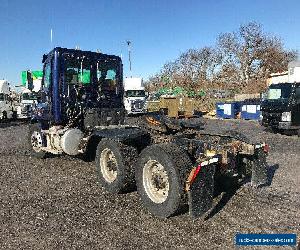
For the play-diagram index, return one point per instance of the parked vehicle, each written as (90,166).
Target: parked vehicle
(28,100)
(281,107)
(7,108)
(171,162)
(134,96)
(31,85)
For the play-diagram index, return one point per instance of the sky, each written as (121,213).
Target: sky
(159,29)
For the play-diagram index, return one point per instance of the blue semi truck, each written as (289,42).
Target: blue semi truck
(173,163)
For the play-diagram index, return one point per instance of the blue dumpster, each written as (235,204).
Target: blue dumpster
(227,110)
(220,109)
(251,111)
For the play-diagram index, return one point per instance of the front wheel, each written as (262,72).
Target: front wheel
(35,141)
(161,173)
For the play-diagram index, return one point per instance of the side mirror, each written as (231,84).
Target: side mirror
(44,58)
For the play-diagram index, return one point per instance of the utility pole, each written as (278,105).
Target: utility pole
(129,55)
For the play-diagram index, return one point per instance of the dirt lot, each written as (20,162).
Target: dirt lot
(56,203)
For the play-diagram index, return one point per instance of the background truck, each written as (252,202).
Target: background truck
(134,95)
(281,107)
(7,107)
(31,84)
(173,164)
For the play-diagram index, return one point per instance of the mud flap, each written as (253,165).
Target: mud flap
(201,191)
(259,169)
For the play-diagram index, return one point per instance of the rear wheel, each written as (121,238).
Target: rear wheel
(35,141)
(161,173)
(115,166)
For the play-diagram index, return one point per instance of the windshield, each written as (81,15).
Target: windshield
(135,93)
(29,96)
(279,91)
(1,97)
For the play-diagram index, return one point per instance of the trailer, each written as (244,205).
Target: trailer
(173,164)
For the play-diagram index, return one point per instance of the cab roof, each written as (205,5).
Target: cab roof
(81,53)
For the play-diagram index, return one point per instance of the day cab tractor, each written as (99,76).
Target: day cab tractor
(281,108)
(173,164)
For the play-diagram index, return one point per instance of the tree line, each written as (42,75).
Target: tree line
(240,61)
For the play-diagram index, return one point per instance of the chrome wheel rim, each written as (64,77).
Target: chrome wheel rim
(156,181)
(108,165)
(36,141)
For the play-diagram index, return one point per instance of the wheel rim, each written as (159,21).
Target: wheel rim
(156,181)
(108,165)
(36,141)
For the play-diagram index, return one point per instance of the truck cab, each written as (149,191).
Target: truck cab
(27,102)
(81,88)
(81,92)
(281,107)
(29,88)
(134,95)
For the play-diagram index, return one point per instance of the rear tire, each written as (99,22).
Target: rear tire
(35,141)
(115,166)
(161,174)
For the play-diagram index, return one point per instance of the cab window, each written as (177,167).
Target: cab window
(78,72)
(107,78)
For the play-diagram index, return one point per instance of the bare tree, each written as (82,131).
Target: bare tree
(240,60)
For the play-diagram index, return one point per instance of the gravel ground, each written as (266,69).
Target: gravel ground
(56,203)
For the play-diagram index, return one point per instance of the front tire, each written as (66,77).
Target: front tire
(161,173)
(35,141)
(115,166)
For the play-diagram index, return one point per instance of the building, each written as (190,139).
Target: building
(294,71)
(278,77)
(292,75)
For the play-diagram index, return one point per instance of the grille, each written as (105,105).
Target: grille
(272,118)
(137,105)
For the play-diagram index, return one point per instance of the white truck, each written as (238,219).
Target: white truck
(134,96)
(31,84)
(28,100)
(7,110)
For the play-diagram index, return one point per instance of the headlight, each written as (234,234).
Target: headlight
(286,117)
